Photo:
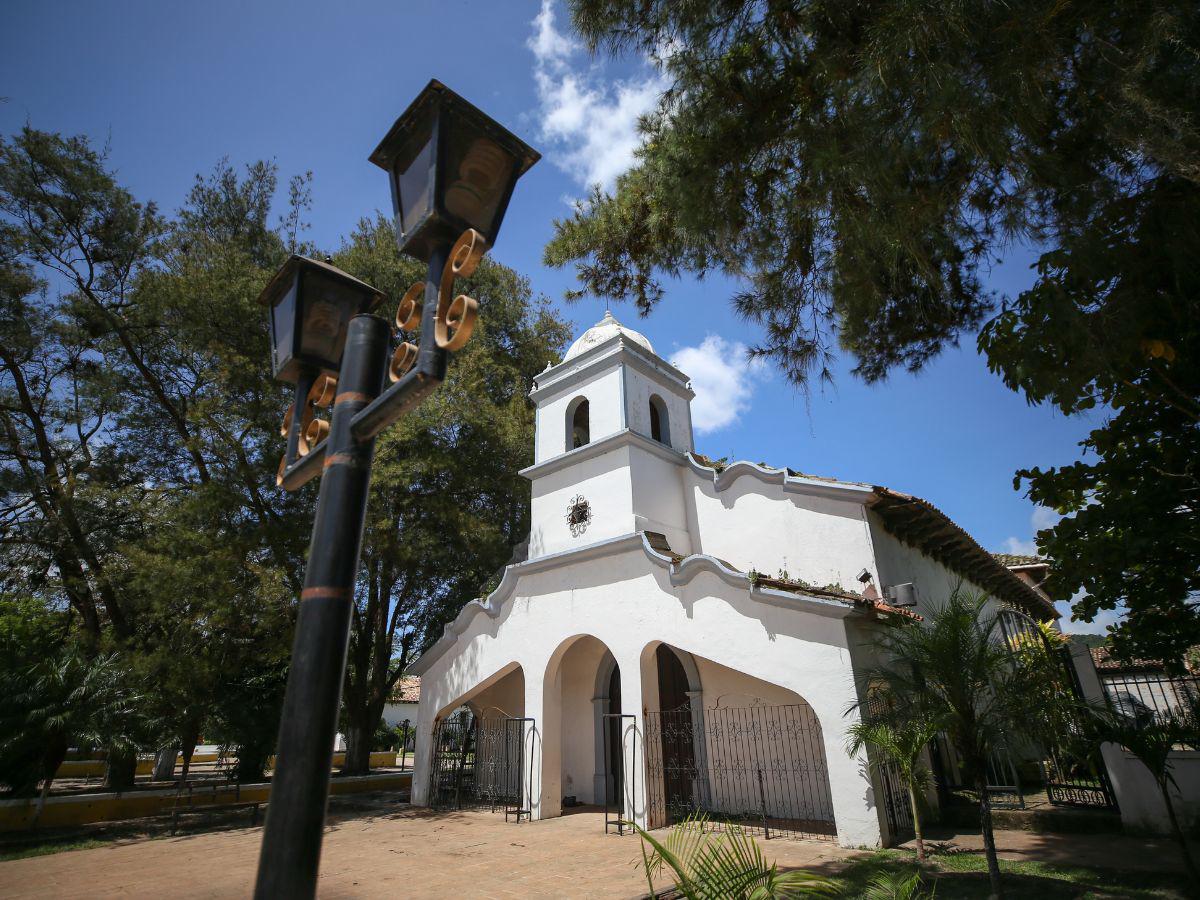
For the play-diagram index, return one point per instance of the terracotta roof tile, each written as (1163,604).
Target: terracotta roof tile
(1106,662)
(406,690)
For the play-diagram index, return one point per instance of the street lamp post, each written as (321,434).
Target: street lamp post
(452,171)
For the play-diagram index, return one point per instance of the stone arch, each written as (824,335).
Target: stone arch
(578,424)
(660,420)
(737,732)
(502,692)
(575,696)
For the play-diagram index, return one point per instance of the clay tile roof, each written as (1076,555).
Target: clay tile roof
(1106,662)
(406,690)
(922,525)
(1015,560)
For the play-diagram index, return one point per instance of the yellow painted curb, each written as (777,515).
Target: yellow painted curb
(61,812)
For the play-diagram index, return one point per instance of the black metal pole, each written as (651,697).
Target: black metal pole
(291,847)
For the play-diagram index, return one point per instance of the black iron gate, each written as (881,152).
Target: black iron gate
(1072,778)
(619,732)
(479,762)
(761,767)
(896,805)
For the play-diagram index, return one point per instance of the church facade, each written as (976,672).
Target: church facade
(685,634)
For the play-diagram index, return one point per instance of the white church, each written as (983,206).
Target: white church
(682,635)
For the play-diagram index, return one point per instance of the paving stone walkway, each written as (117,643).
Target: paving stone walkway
(389,849)
(403,853)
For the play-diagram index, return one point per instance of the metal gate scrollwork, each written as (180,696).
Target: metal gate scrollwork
(479,763)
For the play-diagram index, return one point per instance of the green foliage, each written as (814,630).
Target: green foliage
(728,864)
(898,735)
(447,505)
(956,672)
(138,433)
(66,699)
(899,885)
(857,168)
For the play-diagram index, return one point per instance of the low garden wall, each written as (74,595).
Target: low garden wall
(81,809)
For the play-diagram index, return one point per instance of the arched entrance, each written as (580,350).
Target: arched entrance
(606,723)
(732,747)
(581,753)
(479,747)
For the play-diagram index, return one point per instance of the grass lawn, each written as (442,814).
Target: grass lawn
(965,875)
(51,847)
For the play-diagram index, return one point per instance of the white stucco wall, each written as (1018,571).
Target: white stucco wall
(899,563)
(751,523)
(505,697)
(395,713)
(605,482)
(1141,801)
(606,413)
(639,386)
(623,596)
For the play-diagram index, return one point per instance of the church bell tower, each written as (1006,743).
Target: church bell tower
(613,425)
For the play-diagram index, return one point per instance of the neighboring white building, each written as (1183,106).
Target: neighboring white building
(641,597)
(403,703)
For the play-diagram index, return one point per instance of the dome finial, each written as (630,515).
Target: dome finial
(607,328)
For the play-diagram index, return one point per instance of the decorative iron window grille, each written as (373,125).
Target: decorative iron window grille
(579,515)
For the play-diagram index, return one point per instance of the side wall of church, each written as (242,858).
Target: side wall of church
(899,563)
(756,525)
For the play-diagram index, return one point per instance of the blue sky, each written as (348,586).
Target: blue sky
(173,88)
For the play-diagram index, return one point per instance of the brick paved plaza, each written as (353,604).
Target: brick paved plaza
(406,853)
(379,847)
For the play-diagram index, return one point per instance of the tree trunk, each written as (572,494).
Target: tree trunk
(1188,862)
(41,804)
(252,763)
(164,764)
(53,758)
(916,814)
(187,746)
(122,767)
(358,748)
(989,839)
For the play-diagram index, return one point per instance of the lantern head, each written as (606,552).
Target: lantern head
(451,168)
(311,305)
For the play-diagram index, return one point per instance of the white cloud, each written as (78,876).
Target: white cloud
(590,123)
(1016,545)
(1042,517)
(723,377)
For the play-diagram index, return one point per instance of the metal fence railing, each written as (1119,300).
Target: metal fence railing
(760,767)
(1153,698)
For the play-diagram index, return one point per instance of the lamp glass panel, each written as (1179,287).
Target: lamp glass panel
(412,183)
(478,171)
(283,323)
(328,308)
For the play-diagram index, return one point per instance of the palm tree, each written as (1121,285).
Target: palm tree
(69,699)
(899,743)
(956,670)
(725,865)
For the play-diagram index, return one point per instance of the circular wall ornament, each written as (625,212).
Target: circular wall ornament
(579,514)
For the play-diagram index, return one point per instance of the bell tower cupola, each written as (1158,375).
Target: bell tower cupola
(613,425)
